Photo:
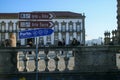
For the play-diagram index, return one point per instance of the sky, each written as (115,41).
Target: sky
(100,14)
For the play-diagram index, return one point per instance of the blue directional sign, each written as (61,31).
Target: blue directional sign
(35,33)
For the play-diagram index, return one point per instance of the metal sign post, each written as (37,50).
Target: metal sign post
(33,20)
(35,33)
(36,59)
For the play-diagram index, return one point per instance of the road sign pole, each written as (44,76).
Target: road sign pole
(36,58)
(30,22)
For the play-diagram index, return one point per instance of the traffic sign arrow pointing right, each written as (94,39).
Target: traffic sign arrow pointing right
(36,15)
(36,24)
(51,15)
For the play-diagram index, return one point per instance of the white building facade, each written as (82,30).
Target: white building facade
(67,25)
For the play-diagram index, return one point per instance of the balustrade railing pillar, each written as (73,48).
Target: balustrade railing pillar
(49,60)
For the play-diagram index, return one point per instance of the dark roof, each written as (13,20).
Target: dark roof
(67,14)
(8,15)
(58,14)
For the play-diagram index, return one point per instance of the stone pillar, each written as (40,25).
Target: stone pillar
(107,39)
(12,40)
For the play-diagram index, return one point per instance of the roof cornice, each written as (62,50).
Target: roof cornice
(58,14)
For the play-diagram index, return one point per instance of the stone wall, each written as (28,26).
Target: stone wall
(87,59)
(95,59)
(8,62)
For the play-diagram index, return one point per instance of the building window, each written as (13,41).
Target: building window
(41,42)
(70,26)
(17,26)
(10,26)
(56,26)
(48,40)
(78,36)
(63,26)
(78,25)
(63,35)
(3,25)
(71,37)
(2,36)
(56,37)
(17,29)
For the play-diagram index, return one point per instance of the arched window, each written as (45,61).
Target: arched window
(78,26)
(10,26)
(70,24)
(17,29)
(3,25)
(63,26)
(56,27)
(17,26)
